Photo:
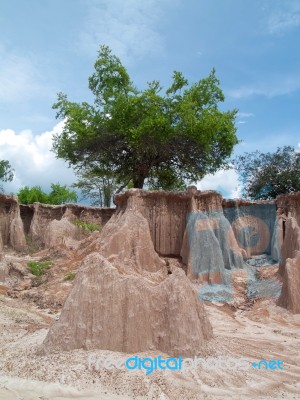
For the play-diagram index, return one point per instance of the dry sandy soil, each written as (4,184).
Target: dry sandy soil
(260,331)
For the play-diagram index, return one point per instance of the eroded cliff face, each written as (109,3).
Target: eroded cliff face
(254,225)
(173,219)
(11,225)
(140,271)
(45,226)
(51,226)
(165,213)
(289,268)
(211,235)
(126,297)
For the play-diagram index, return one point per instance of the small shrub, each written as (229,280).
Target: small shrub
(69,276)
(88,227)
(38,268)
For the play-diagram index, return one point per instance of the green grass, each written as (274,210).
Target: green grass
(69,276)
(39,268)
(87,226)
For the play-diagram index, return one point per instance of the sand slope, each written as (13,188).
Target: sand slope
(264,331)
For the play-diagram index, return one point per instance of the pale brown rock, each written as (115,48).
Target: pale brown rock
(122,312)
(17,237)
(289,268)
(1,247)
(209,247)
(11,226)
(289,203)
(166,213)
(14,276)
(250,218)
(63,233)
(290,294)
(4,289)
(126,298)
(291,242)
(4,271)
(38,218)
(125,240)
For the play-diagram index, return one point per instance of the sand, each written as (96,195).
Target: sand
(260,331)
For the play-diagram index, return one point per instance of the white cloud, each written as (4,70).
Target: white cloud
(128,28)
(32,159)
(225,181)
(245,115)
(284,18)
(35,164)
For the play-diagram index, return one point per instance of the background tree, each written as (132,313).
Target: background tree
(30,195)
(6,172)
(59,195)
(266,175)
(140,133)
(97,187)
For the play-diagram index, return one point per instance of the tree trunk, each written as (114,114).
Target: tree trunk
(107,195)
(138,182)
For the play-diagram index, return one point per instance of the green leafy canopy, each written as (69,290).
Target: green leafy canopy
(266,175)
(138,134)
(59,194)
(6,172)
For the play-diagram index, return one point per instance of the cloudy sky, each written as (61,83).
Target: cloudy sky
(51,45)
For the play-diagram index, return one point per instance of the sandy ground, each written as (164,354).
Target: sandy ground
(263,331)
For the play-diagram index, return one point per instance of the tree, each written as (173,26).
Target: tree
(97,187)
(6,172)
(142,133)
(29,195)
(58,195)
(266,175)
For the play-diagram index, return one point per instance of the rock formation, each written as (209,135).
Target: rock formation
(48,225)
(165,213)
(123,312)
(289,217)
(45,225)
(125,298)
(290,293)
(11,225)
(209,247)
(126,295)
(254,225)
(125,240)
(218,239)
(62,233)
(225,229)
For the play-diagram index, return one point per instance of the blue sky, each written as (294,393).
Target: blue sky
(48,46)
